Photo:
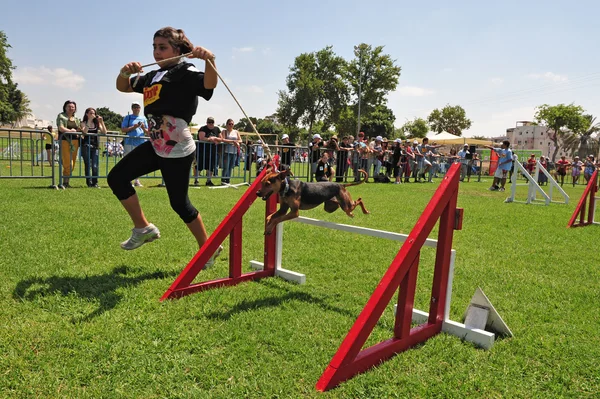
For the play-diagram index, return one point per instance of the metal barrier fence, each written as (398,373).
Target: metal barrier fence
(21,152)
(24,155)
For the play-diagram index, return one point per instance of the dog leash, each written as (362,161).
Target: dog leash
(263,143)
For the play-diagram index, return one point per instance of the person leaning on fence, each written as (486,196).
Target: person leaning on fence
(68,127)
(171,99)
(504,163)
(314,150)
(91,124)
(231,137)
(135,126)
(397,160)
(49,143)
(287,150)
(342,159)
(464,156)
(206,150)
(259,156)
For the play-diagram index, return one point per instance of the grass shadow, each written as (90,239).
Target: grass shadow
(276,301)
(102,287)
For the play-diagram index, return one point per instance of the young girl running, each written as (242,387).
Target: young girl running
(170,100)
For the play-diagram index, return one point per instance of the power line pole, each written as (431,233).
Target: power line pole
(359,87)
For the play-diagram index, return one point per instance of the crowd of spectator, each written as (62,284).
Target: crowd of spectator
(398,161)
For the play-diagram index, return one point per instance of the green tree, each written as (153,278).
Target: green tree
(112,120)
(6,65)
(316,89)
(379,122)
(416,128)
(14,104)
(452,119)
(560,118)
(371,76)
(346,123)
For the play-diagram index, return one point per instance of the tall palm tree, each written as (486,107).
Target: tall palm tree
(585,142)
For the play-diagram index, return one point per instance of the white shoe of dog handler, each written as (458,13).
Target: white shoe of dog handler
(141,236)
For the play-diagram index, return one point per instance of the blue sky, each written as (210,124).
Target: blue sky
(499,60)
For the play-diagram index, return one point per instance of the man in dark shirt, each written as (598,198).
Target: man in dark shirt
(342,159)
(206,150)
(314,150)
(287,150)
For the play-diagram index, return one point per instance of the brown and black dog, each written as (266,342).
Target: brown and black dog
(295,195)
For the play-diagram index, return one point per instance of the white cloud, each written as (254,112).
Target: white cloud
(447,70)
(413,91)
(550,76)
(497,81)
(243,49)
(60,77)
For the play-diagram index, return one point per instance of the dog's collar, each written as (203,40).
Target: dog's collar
(286,188)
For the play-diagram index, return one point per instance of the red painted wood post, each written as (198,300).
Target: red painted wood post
(442,259)
(580,210)
(271,239)
(235,251)
(406,300)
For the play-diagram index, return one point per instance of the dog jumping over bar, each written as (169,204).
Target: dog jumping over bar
(295,195)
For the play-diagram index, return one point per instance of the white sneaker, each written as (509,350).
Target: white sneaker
(141,236)
(137,184)
(212,259)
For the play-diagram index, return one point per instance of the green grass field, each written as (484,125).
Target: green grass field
(81,318)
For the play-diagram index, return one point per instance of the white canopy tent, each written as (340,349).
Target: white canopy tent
(450,139)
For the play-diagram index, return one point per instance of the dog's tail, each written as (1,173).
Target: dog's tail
(356,183)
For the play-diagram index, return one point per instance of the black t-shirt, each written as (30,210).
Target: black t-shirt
(206,148)
(287,150)
(208,132)
(174,92)
(91,140)
(315,153)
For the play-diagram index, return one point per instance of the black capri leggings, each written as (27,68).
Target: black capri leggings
(175,172)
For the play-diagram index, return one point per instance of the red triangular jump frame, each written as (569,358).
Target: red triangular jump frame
(350,359)
(230,226)
(587,201)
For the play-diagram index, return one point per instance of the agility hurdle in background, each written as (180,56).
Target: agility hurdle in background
(534,187)
(587,201)
(401,276)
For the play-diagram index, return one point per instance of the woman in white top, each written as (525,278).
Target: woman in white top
(231,138)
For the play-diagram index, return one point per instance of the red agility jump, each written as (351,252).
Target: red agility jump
(401,275)
(231,226)
(587,201)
